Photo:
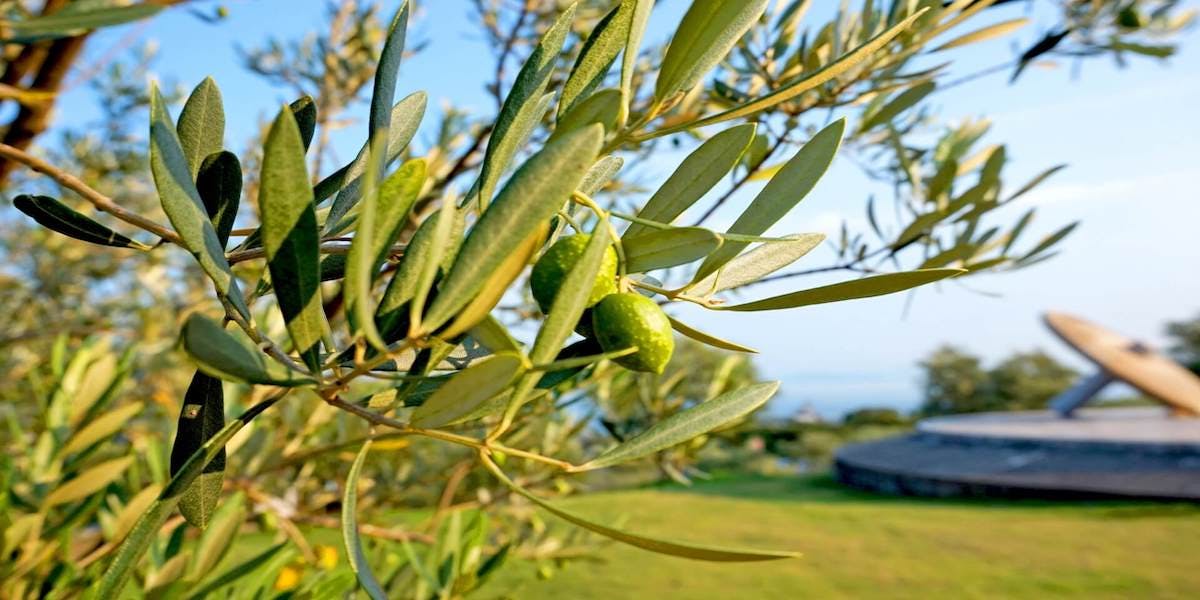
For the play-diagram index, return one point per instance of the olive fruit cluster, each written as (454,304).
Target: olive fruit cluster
(617,320)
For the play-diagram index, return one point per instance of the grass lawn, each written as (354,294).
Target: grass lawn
(860,545)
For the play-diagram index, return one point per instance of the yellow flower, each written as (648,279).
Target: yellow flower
(327,557)
(288,578)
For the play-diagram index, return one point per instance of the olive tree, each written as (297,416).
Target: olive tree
(369,308)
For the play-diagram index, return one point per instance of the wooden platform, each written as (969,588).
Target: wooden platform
(1103,453)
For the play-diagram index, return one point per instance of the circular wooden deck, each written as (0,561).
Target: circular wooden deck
(1102,453)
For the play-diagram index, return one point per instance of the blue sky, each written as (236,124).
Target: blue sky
(1131,137)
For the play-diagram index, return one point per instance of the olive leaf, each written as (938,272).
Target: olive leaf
(201,124)
(902,102)
(599,51)
(219,183)
(791,90)
(521,109)
(354,550)
(305,111)
(867,287)
(758,263)
(181,201)
(347,182)
(72,20)
(200,418)
(101,428)
(1049,242)
(391,316)
(687,424)
(706,34)
(235,572)
(383,215)
(88,482)
(629,55)
(497,284)
(786,189)
(697,552)
(600,174)
(695,176)
(290,238)
(221,354)
(439,244)
(992,31)
(59,217)
(707,338)
(602,107)
(468,390)
(668,248)
(493,335)
(531,196)
(150,523)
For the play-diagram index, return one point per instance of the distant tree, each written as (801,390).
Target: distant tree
(957,382)
(874,416)
(1185,342)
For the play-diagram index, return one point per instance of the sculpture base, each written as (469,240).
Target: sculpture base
(1140,453)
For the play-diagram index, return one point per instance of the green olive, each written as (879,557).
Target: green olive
(554,265)
(625,320)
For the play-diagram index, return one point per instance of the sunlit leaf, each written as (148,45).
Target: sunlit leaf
(571,298)
(468,389)
(391,317)
(521,106)
(101,428)
(629,55)
(290,238)
(668,248)
(531,196)
(56,216)
(601,107)
(218,537)
(758,263)
(88,482)
(493,335)
(73,20)
(695,176)
(354,549)
(497,284)
(202,124)
(706,34)
(902,102)
(707,338)
(599,51)
(1049,242)
(439,245)
(983,34)
(236,572)
(793,182)
(181,201)
(876,285)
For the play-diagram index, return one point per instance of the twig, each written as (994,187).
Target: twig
(100,201)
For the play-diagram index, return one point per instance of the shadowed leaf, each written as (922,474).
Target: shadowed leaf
(200,418)
(354,550)
(468,390)
(58,217)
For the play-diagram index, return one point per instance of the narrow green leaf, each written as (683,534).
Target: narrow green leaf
(347,182)
(599,51)
(71,21)
(827,73)
(793,182)
(877,285)
(708,31)
(236,572)
(1049,242)
(1036,181)
(992,31)
(468,390)
(695,176)
(1017,230)
(629,55)
(493,335)
(218,537)
(200,418)
(687,424)
(600,174)
(305,111)
(151,521)
(758,263)
(181,201)
(707,338)
(58,217)
(101,428)
(439,245)
(668,248)
(696,552)
(902,102)
(387,211)
(531,196)
(520,108)
(571,299)
(220,354)
(384,90)
(354,549)
(290,238)
(202,124)
(602,107)
(391,317)
(88,482)
(219,183)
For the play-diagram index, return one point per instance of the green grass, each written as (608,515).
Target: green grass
(859,545)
